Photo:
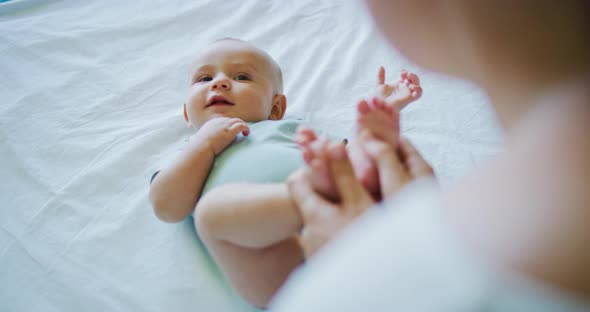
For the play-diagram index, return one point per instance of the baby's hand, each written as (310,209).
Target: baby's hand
(217,133)
(399,93)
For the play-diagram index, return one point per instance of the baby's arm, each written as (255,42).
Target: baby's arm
(176,189)
(251,230)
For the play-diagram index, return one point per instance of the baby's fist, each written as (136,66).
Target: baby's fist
(218,133)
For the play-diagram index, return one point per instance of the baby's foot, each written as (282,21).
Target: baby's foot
(315,150)
(401,92)
(382,121)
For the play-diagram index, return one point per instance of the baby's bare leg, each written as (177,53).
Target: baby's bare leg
(313,149)
(380,117)
(251,231)
(381,121)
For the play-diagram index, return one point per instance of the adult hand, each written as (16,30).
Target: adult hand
(323,219)
(396,167)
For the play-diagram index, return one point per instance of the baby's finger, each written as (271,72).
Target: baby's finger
(239,127)
(234,121)
(381,76)
(415,163)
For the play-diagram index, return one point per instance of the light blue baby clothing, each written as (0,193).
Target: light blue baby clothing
(267,155)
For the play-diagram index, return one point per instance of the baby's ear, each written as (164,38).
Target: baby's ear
(279,106)
(188,123)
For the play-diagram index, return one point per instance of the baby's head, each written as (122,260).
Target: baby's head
(233,78)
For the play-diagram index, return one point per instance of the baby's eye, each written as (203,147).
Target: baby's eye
(241,77)
(204,78)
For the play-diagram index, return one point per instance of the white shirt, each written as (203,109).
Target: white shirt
(401,256)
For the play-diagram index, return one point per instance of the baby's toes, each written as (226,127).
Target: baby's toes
(403,75)
(305,135)
(416,91)
(413,78)
(318,146)
(307,154)
(363,107)
(378,104)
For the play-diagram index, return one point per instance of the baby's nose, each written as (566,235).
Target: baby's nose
(223,84)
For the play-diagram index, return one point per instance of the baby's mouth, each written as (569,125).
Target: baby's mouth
(219,100)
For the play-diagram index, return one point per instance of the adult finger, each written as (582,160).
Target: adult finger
(351,192)
(381,76)
(392,173)
(417,166)
(302,193)
(307,154)
(363,107)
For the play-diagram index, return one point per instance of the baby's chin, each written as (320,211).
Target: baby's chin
(219,114)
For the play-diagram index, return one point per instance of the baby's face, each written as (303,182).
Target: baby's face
(230,79)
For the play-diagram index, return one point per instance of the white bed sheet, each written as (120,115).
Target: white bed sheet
(91,97)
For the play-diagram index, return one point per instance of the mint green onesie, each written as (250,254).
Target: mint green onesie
(267,155)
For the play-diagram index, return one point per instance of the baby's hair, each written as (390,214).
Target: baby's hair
(275,66)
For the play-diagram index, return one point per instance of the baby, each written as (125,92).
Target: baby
(231,174)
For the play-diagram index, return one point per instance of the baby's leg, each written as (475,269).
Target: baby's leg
(378,118)
(313,149)
(251,231)
(383,122)
(398,94)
